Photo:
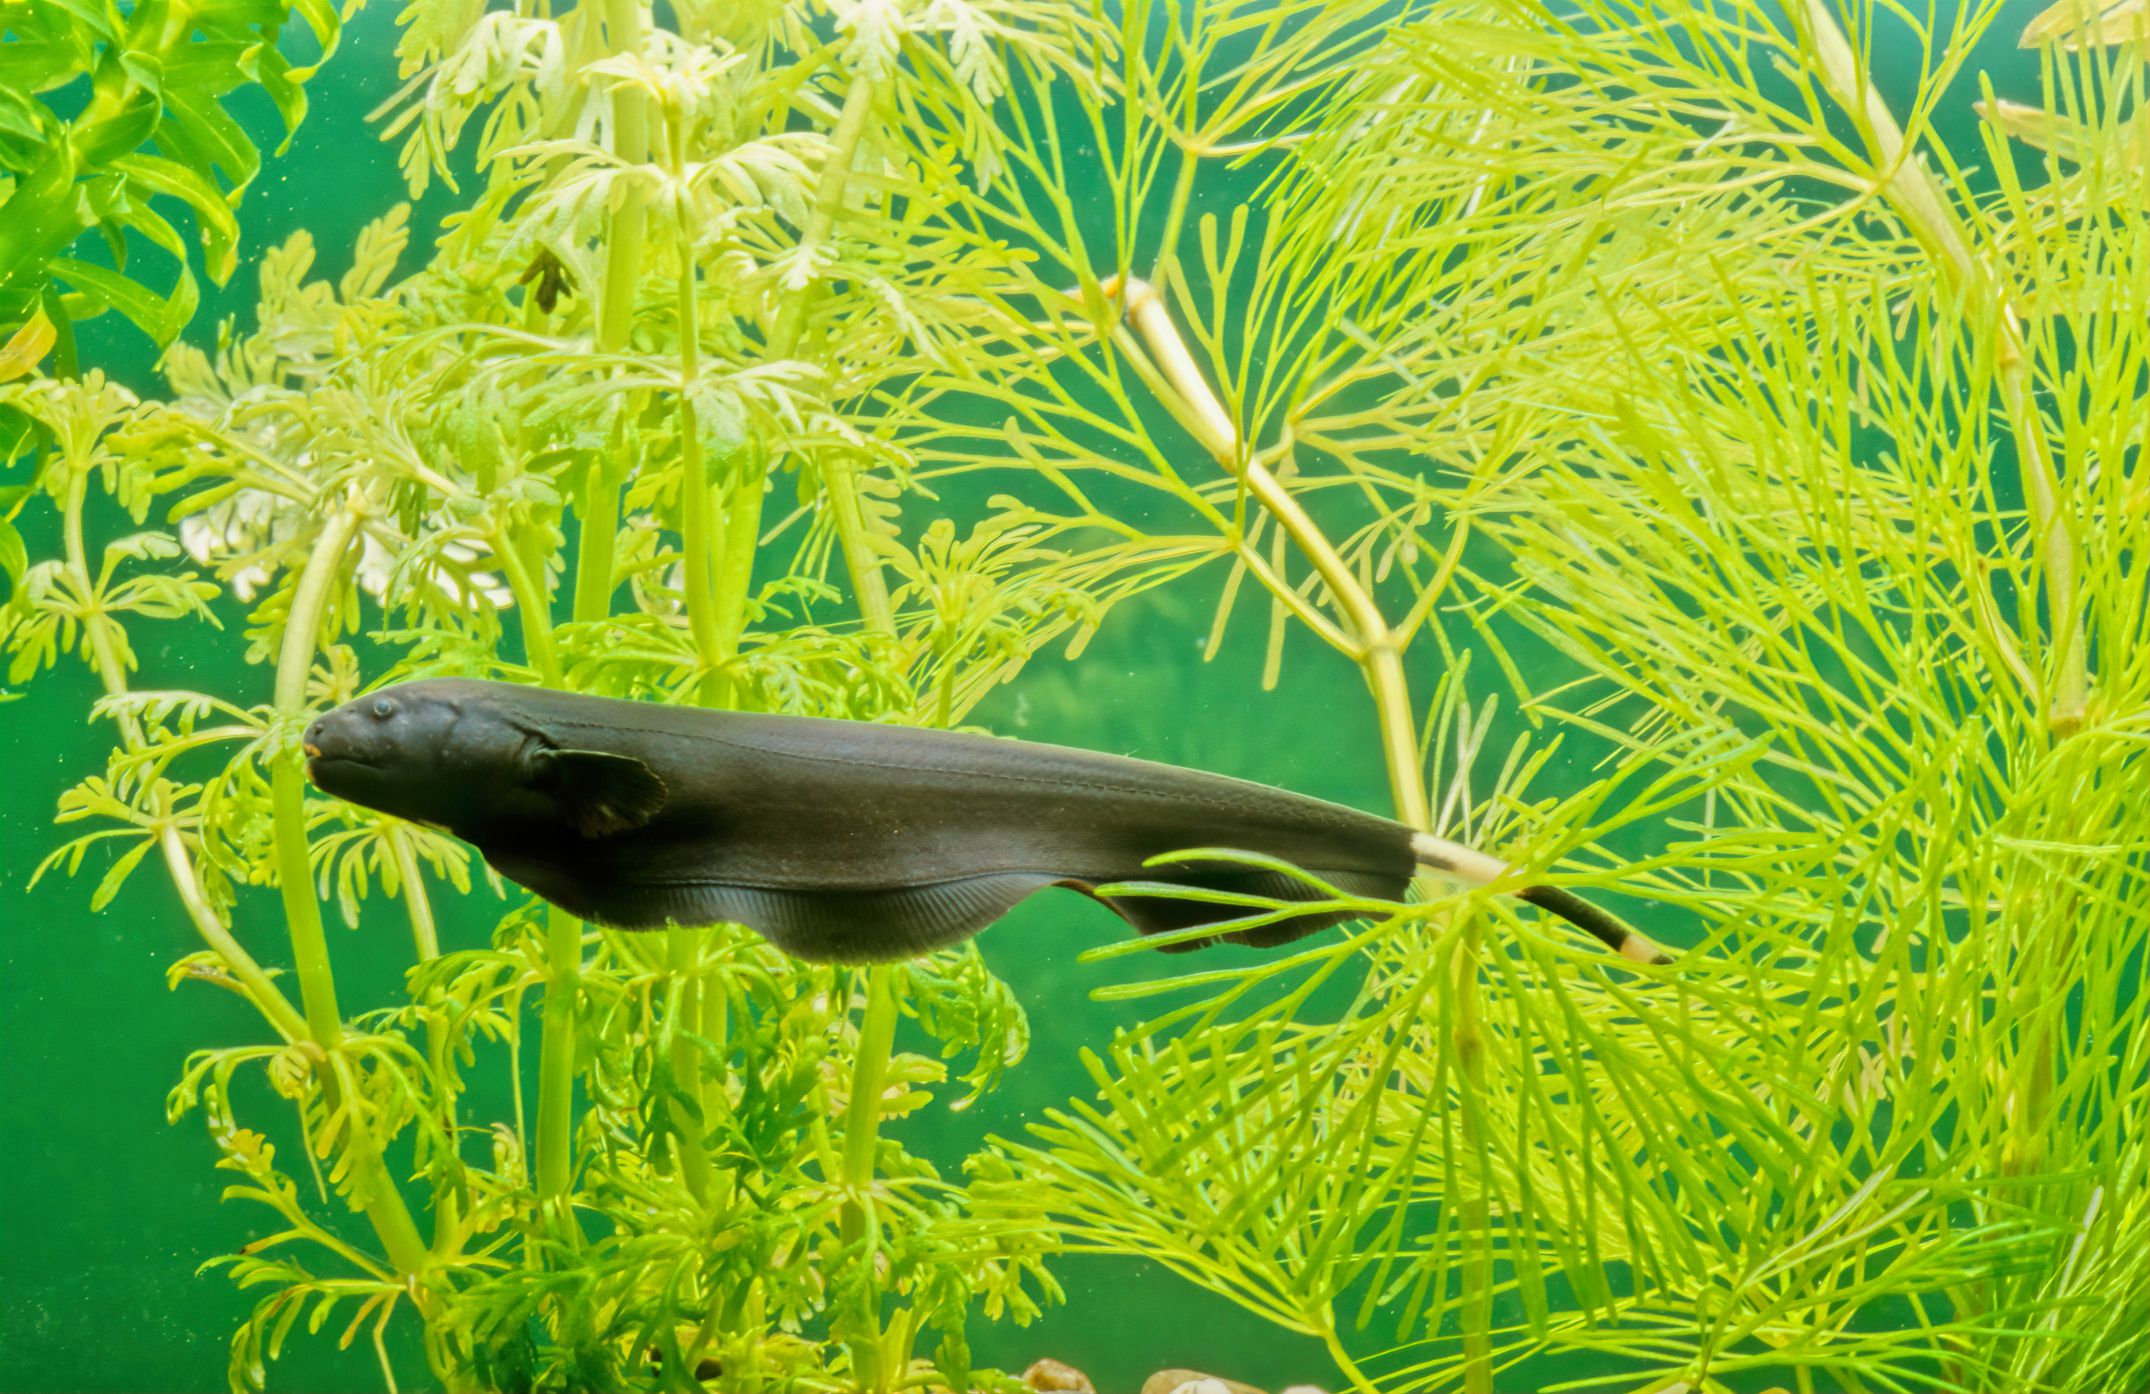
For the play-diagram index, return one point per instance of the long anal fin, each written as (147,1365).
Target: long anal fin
(850,926)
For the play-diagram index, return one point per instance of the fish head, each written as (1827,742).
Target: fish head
(439,751)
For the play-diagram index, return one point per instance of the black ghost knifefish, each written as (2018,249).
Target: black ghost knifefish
(847,841)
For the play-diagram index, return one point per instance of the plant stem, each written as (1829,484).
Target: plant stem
(309,946)
(110,671)
(624,242)
(828,203)
(381,1201)
(868,587)
(733,578)
(1467,1041)
(594,549)
(556,1062)
(1912,190)
(113,677)
(425,934)
(1378,650)
(1346,1365)
(681,944)
(563,937)
(260,987)
(697,504)
(383,1205)
(631,145)
(862,1126)
(425,945)
(592,601)
(533,606)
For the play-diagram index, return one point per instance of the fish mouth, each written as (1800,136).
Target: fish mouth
(316,761)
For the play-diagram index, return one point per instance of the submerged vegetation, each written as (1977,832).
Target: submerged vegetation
(1730,484)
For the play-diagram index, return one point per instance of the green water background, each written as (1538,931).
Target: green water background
(106,1211)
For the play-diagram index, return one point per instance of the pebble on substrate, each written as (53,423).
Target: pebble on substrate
(1049,1376)
(1193,1382)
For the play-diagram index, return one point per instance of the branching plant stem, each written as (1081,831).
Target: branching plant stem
(563,935)
(1376,646)
(178,861)
(382,1204)
(862,1130)
(260,988)
(1912,191)
(592,601)
(380,1200)
(868,587)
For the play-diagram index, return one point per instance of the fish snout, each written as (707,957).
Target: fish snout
(335,736)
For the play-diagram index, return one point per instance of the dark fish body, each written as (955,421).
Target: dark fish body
(840,840)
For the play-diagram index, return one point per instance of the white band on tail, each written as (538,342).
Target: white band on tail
(1467,863)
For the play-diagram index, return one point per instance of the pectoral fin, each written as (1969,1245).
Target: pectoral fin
(600,794)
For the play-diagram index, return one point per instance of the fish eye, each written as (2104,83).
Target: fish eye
(383,708)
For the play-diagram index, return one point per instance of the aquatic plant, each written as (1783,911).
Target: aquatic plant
(1778,454)
(666,301)
(1785,461)
(152,137)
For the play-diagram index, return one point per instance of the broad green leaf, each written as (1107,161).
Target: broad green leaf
(161,317)
(27,347)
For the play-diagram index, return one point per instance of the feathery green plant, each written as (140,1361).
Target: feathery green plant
(1803,455)
(671,297)
(1780,456)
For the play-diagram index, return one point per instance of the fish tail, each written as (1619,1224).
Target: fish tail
(1467,864)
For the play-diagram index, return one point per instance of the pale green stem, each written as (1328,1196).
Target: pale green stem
(704,598)
(594,550)
(383,1203)
(425,945)
(862,1127)
(260,988)
(425,934)
(533,606)
(556,1060)
(309,945)
(868,587)
(1378,647)
(733,581)
(112,675)
(1467,1039)
(630,145)
(384,1206)
(592,601)
(1912,190)
(1347,1365)
(563,938)
(686,1061)
(828,204)
(697,503)
(624,243)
